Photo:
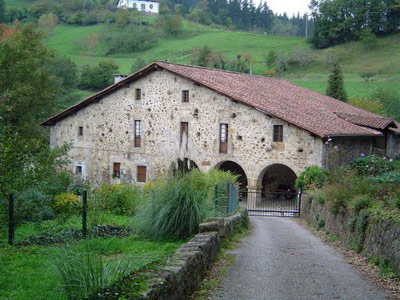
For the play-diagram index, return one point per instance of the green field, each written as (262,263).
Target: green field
(383,60)
(18,3)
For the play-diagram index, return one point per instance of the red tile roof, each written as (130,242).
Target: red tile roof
(316,113)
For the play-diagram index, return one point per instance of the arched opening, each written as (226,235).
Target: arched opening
(183,166)
(278,178)
(236,169)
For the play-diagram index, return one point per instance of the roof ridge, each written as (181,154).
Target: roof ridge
(212,69)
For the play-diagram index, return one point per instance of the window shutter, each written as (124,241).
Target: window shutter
(117,170)
(185,96)
(138,94)
(141,173)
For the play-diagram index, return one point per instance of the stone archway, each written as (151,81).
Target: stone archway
(236,169)
(277,178)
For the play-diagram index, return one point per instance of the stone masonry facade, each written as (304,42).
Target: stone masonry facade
(103,133)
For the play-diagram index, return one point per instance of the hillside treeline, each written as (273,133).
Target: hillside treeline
(234,14)
(341,21)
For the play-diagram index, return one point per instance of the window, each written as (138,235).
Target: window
(141,174)
(185,96)
(117,170)
(138,94)
(223,138)
(78,170)
(184,132)
(137,133)
(278,133)
(80,131)
(151,6)
(143,6)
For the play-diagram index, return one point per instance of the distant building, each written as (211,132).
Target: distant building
(149,6)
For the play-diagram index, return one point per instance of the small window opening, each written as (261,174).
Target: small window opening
(223,138)
(138,94)
(78,170)
(117,170)
(185,96)
(137,134)
(141,174)
(278,133)
(184,133)
(80,131)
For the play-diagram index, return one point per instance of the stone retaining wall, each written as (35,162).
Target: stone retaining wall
(379,238)
(182,273)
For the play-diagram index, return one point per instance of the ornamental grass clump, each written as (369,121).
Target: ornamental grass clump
(177,205)
(83,273)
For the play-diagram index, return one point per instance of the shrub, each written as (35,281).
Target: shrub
(371,166)
(99,76)
(83,273)
(66,204)
(338,197)
(119,198)
(390,100)
(361,202)
(311,177)
(371,105)
(301,56)
(32,206)
(392,177)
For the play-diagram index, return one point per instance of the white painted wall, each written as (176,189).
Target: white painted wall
(145,6)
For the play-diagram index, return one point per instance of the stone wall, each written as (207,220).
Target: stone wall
(179,277)
(380,238)
(108,133)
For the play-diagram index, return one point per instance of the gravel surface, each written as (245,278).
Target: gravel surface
(282,260)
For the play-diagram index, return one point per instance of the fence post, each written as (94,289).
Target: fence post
(84,214)
(11,221)
(299,202)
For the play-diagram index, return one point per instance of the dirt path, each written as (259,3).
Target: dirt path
(282,260)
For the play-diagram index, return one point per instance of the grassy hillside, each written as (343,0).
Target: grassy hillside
(383,60)
(18,3)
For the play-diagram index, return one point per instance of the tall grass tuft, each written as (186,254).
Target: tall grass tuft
(179,204)
(83,273)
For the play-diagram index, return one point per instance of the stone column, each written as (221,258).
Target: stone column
(252,194)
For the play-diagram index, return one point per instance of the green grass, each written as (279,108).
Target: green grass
(383,60)
(27,272)
(18,3)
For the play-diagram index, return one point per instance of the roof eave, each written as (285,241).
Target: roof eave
(96,97)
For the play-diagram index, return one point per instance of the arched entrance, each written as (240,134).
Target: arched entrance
(277,178)
(184,165)
(235,169)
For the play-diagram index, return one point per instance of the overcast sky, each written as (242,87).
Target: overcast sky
(289,6)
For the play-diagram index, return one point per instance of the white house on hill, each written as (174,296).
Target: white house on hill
(149,6)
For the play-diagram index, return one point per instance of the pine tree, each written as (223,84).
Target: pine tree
(335,84)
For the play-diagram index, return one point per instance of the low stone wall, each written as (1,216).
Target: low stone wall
(182,273)
(378,238)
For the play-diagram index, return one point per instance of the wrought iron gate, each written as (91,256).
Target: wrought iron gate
(276,204)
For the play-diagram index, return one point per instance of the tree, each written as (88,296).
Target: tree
(270,59)
(2,11)
(99,76)
(27,95)
(172,25)
(48,21)
(390,100)
(336,85)
(138,64)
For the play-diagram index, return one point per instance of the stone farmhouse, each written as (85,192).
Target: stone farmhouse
(170,116)
(148,6)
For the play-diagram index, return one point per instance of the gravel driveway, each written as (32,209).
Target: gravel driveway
(282,260)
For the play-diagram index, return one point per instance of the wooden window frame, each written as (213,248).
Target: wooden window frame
(141,174)
(80,131)
(223,138)
(137,133)
(184,129)
(117,170)
(185,96)
(278,134)
(138,94)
